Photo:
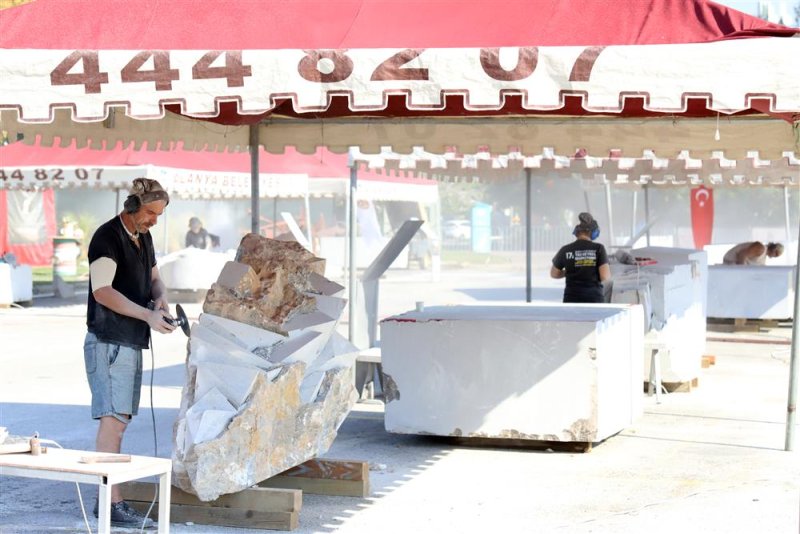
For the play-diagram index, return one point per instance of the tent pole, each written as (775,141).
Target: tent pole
(528,231)
(275,216)
(166,227)
(610,214)
(116,205)
(308,219)
(633,213)
(794,362)
(351,218)
(786,214)
(647,212)
(255,196)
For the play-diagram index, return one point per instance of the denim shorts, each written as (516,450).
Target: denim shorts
(115,378)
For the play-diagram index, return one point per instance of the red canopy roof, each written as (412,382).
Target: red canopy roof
(326,24)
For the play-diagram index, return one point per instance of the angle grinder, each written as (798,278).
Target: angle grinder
(180,320)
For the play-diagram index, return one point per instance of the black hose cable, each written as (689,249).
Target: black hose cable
(155,435)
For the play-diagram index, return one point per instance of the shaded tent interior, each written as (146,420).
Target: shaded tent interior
(314,188)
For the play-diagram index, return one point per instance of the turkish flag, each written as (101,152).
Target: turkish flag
(702,202)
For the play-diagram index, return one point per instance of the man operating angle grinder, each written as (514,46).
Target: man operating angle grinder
(127,298)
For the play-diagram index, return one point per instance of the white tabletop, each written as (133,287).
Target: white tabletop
(68,461)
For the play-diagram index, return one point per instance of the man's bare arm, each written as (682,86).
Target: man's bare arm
(158,290)
(605,272)
(556,273)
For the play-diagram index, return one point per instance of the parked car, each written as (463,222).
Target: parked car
(457,229)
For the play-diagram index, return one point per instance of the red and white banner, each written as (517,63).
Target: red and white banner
(702,209)
(28,225)
(36,82)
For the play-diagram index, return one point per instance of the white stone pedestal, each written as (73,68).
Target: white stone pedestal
(678,285)
(560,372)
(751,291)
(16,283)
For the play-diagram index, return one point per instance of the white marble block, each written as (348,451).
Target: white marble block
(751,291)
(560,372)
(678,286)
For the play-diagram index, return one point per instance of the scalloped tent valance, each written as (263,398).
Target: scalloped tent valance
(735,137)
(614,170)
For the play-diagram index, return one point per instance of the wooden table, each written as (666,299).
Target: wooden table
(64,464)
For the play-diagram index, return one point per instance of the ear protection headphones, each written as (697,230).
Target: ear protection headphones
(587,224)
(593,235)
(132,204)
(142,192)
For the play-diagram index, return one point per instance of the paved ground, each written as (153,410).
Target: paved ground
(708,461)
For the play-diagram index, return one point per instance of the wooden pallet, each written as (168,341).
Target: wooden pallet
(260,508)
(676,387)
(322,476)
(740,324)
(707,360)
(529,444)
(273,504)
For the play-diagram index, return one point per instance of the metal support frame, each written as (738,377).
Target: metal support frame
(166,231)
(351,220)
(307,204)
(117,207)
(786,220)
(274,216)
(365,313)
(794,362)
(634,202)
(647,212)
(610,214)
(255,194)
(528,238)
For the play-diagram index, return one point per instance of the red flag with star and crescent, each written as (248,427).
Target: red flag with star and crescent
(702,203)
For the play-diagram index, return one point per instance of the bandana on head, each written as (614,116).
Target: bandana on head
(148,190)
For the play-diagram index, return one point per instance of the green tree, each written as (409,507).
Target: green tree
(457,198)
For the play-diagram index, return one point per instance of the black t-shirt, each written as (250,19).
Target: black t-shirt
(581,260)
(197,240)
(132,279)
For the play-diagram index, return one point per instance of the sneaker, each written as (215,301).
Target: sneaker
(122,515)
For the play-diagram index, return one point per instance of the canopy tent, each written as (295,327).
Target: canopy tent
(330,73)
(200,175)
(339,66)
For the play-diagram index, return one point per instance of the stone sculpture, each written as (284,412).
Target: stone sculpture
(269,381)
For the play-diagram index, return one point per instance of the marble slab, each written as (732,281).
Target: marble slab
(556,372)
(751,291)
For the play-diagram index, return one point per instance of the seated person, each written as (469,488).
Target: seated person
(752,253)
(197,236)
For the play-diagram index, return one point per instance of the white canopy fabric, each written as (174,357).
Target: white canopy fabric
(35,82)
(678,172)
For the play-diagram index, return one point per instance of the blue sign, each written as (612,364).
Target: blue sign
(481,227)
